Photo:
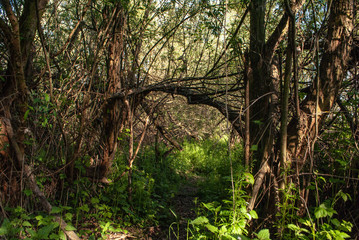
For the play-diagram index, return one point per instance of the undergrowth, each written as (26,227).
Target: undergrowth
(95,209)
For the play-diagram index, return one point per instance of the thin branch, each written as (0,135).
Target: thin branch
(5,29)
(278,33)
(11,15)
(230,41)
(74,31)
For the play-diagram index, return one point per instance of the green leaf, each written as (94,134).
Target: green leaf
(95,200)
(4,227)
(26,224)
(249,178)
(106,227)
(342,235)
(343,195)
(26,114)
(335,222)
(68,216)
(62,236)
(44,232)
(243,237)
(28,192)
(200,220)
(223,230)
(47,97)
(209,206)
(55,210)
(84,208)
(321,178)
(32,232)
(174,214)
(293,227)
(321,211)
(54,236)
(258,122)
(254,147)
(253,214)
(70,228)
(212,228)
(263,234)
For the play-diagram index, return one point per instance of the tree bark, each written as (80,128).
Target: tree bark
(332,71)
(19,35)
(115,111)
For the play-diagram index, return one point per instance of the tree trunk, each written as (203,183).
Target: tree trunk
(19,36)
(115,111)
(303,129)
(331,74)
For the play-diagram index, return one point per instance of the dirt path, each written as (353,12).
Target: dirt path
(184,208)
(183,205)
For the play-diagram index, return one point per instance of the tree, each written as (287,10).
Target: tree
(76,83)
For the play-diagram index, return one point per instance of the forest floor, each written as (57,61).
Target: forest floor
(183,207)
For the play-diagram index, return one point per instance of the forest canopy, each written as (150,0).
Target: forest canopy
(109,110)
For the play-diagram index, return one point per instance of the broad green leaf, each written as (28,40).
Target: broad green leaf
(44,232)
(343,195)
(249,178)
(70,228)
(223,230)
(107,225)
(54,236)
(335,222)
(200,220)
(321,211)
(263,234)
(68,216)
(342,235)
(212,228)
(242,223)
(253,214)
(62,235)
(31,231)
(55,210)
(26,224)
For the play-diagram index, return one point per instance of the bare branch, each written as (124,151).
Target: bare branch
(74,31)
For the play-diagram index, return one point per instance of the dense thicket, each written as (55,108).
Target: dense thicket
(85,85)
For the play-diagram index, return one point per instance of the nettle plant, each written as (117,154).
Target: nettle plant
(227,219)
(322,223)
